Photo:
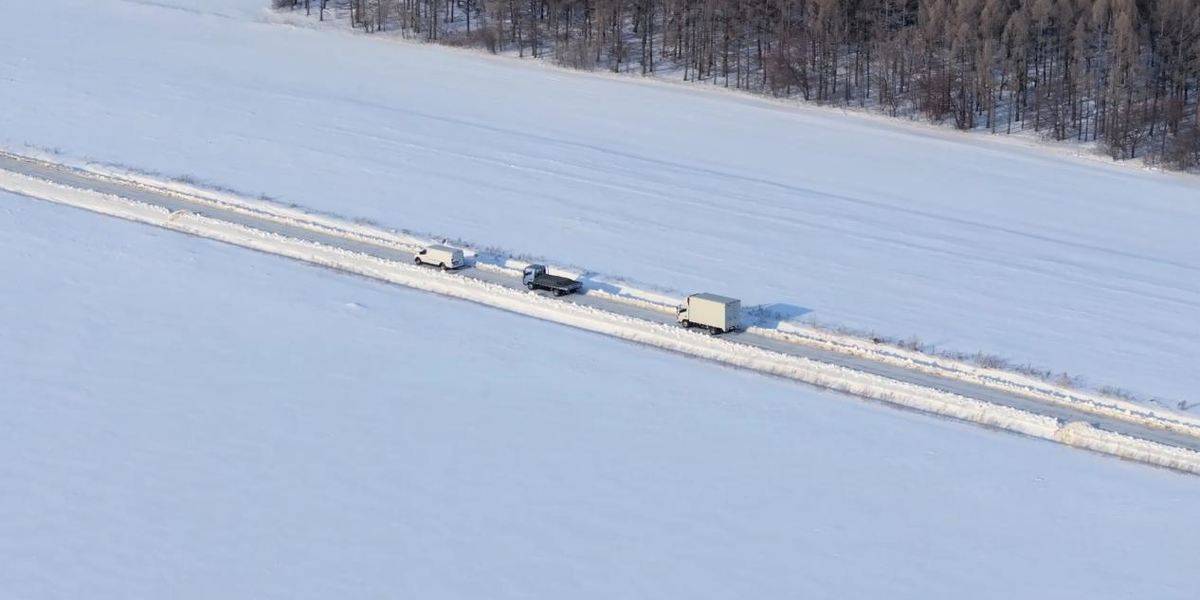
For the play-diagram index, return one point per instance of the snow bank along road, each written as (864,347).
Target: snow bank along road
(922,383)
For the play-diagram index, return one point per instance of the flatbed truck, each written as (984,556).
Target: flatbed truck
(535,277)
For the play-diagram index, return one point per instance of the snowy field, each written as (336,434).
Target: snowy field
(967,243)
(190,420)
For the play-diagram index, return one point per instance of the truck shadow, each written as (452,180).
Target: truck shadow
(771,315)
(590,283)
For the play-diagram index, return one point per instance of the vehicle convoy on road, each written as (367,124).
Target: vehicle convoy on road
(1023,405)
(440,256)
(535,277)
(717,314)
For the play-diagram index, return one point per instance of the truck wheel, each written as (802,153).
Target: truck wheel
(686,324)
(530,286)
(442,265)
(417,259)
(558,292)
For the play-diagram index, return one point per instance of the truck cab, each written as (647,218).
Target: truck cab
(440,256)
(530,273)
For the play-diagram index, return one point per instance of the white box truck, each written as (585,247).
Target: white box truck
(440,256)
(717,314)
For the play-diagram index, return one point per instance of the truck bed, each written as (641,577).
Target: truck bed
(556,283)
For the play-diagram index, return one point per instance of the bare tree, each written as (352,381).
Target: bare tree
(1123,73)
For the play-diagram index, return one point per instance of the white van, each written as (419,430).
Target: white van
(440,256)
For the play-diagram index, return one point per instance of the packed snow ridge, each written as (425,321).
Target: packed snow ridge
(1077,434)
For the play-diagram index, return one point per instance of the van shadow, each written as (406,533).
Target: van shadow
(771,315)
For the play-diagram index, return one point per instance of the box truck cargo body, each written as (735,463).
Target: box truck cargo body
(710,311)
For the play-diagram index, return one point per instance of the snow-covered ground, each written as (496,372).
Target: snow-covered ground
(185,419)
(359,249)
(969,244)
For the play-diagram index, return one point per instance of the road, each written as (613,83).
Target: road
(75,178)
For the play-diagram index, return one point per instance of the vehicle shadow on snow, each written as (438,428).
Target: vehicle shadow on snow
(771,315)
(590,283)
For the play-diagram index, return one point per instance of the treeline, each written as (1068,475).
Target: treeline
(1122,73)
